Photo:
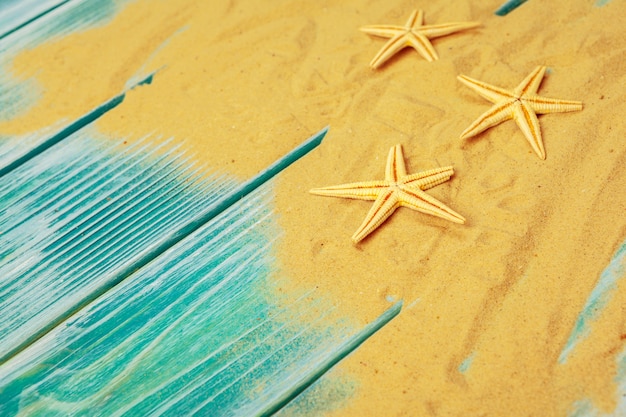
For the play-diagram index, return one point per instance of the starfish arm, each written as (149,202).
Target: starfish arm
(422,45)
(428,179)
(420,201)
(383,207)
(544,105)
(527,121)
(392,46)
(384,31)
(415,20)
(395,168)
(495,115)
(488,91)
(435,31)
(367,190)
(531,83)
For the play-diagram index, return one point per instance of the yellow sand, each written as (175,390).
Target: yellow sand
(246,81)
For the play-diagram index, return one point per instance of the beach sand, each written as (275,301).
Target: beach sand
(489,306)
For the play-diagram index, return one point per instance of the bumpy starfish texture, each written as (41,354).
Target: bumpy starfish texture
(396,190)
(413,34)
(522,104)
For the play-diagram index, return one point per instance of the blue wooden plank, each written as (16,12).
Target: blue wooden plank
(80,217)
(16,150)
(17,95)
(509,6)
(199,330)
(15,14)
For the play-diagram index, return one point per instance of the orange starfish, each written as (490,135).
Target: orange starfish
(413,34)
(521,104)
(396,190)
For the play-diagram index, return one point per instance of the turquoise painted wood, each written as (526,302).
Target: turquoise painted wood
(198,330)
(131,283)
(39,23)
(80,217)
(15,14)
(76,219)
(14,151)
(509,6)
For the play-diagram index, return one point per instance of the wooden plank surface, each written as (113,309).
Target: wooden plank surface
(28,25)
(83,210)
(15,14)
(199,330)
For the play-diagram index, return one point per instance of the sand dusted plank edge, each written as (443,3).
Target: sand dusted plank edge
(598,299)
(14,151)
(23,26)
(341,351)
(18,94)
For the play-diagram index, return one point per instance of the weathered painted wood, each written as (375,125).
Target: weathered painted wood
(508,7)
(24,25)
(15,14)
(75,218)
(80,217)
(201,329)
(16,150)
(196,329)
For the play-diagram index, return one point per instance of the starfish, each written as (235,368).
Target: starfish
(414,34)
(396,190)
(522,104)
